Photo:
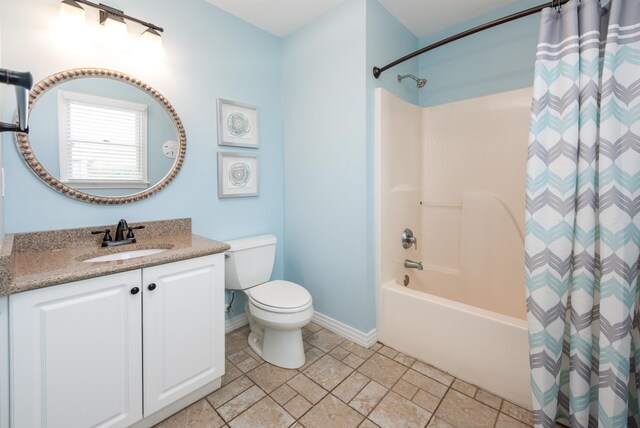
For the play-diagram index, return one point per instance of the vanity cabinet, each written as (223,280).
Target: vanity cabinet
(83,353)
(76,354)
(4,362)
(183,321)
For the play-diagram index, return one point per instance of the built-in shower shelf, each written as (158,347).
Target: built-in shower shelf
(442,269)
(436,204)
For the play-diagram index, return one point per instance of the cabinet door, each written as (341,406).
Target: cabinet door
(76,354)
(183,318)
(4,362)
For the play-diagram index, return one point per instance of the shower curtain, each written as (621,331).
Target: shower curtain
(582,216)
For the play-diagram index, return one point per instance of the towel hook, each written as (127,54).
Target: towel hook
(23,81)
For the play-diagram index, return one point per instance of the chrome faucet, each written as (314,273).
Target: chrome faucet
(410,264)
(120,239)
(408,239)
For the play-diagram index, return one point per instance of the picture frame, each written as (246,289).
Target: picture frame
(237,124)
(238,175)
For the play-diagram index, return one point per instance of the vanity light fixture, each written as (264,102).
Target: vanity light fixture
(72,13)
(151,42)
(113,20)
(115,29)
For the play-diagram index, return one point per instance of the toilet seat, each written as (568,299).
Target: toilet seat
(280,296)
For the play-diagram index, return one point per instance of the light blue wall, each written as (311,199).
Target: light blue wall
(387,39)
(209,54)
(325,164)
(495,60)
(328,112)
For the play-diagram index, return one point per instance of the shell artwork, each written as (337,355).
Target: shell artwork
(238,124)
(239,174)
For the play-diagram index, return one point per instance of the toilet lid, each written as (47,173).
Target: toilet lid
(280,294)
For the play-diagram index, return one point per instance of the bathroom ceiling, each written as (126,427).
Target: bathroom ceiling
(424,17)
(278,17)
(421,17)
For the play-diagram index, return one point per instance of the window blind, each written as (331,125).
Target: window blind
(105,141)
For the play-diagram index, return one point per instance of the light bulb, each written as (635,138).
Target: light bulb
(151,43)
(115,30)
(71,15)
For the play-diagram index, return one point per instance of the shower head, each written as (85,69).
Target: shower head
(419,82)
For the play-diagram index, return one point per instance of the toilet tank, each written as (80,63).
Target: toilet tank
(249,261)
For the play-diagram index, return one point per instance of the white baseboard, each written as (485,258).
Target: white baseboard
(235,322)
(362,339)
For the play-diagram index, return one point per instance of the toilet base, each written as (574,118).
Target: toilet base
(255,343)
(282,348)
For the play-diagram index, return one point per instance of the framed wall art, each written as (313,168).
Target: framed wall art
(237,175)
(237,124)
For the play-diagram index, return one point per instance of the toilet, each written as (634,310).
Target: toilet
(277,310)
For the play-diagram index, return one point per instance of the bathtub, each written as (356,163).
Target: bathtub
(485,348)
(454,174)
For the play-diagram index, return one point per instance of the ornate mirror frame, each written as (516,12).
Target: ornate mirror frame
(24,145)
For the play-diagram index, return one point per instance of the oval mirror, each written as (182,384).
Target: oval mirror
(102,136)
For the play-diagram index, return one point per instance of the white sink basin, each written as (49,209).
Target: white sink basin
(125,256)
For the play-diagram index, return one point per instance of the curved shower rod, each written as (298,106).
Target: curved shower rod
(377,71)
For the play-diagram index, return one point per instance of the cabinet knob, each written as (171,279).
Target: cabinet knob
(151,287)
(135,290)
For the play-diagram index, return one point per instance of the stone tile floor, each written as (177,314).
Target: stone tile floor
(343,385)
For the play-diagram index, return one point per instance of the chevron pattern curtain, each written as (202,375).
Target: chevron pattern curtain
(582,216)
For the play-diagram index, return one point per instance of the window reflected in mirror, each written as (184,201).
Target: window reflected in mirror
(103,141)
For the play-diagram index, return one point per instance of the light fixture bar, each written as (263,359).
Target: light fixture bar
(73,4)
(108,10)
(109,15)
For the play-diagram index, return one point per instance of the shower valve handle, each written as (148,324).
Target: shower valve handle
(408,239)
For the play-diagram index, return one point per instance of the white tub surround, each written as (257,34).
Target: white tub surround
(455,175)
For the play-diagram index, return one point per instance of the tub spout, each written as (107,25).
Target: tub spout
(410,264)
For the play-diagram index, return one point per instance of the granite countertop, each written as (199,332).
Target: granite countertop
(35,260)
